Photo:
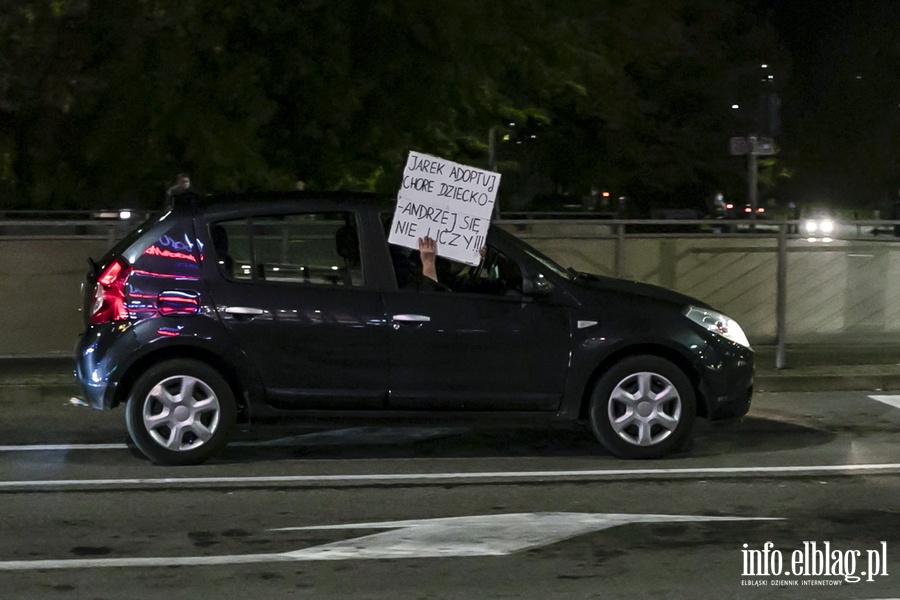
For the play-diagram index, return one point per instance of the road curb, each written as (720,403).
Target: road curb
(821,382)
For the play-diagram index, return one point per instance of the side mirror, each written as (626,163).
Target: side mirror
(535,284)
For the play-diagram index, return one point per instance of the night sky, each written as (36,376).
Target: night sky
(841,104)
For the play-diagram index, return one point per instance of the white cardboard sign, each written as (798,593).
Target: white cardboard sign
(446,201)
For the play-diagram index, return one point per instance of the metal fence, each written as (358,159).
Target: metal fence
(782,284)
(783,287)
(56,225)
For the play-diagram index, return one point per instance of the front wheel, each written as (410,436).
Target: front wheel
(643,407)
(180,412)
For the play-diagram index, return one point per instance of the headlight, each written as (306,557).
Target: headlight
(822,225)
(717,323)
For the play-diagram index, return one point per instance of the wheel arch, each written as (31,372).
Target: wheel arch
(228,371)
(644,349)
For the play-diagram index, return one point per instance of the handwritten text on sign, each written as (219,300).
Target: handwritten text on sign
(447,201)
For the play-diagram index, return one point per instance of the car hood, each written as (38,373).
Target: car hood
(633,288)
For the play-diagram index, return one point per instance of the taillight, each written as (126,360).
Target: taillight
(109,295)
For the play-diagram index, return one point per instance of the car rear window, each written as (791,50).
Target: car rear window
(304,248)
(128,244)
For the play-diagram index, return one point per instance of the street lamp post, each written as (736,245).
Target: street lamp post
(492,163)
(752,177)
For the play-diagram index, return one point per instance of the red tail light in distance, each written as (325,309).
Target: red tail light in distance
(109,295)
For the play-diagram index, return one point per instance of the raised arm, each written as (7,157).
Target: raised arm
(427,253)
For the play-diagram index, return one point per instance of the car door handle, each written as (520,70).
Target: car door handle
(411,318)
(244,310)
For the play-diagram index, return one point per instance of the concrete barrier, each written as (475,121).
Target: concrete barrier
(40,293)
(845,291)
(842,292)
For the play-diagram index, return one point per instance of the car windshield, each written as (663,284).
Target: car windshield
(546,261)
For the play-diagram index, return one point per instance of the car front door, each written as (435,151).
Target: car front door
(484,346)
(292,290)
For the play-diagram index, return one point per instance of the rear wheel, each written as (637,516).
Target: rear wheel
(643,407)
(180,412)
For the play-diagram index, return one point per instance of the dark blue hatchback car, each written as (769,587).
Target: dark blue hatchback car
(243,308)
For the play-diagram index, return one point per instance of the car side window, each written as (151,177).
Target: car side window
(307,248)
(497,275)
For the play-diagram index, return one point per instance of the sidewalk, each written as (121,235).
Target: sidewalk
(807,368)
(44,370)
(821,367)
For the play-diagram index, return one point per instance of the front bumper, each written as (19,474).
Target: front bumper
(726,380)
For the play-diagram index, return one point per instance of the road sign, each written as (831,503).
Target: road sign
(739,146)
(764,146)
(758,146)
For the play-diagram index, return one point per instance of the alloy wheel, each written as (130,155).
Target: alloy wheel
(181,413)
(644,408)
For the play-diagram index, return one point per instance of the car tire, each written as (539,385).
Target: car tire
(642,408)
(180,412)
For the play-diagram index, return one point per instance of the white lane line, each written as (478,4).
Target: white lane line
(891,400)
(462,476)
(61,447)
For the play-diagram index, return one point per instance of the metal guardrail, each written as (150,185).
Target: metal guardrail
(787,234)
(60,215)
(74,228)
(819,287)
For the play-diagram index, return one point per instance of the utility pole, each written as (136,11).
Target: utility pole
(752,146)
(492,149)
(492,163)
(752,177)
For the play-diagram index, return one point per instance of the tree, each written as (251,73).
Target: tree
(103,101)
(842,124)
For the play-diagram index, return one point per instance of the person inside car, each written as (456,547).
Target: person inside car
(425,271)
(456,276)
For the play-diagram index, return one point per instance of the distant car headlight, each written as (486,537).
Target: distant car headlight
(824,226)
(718,323)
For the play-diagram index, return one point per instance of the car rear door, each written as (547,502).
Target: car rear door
(293,290)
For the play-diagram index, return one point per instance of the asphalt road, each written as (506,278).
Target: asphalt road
(796,501)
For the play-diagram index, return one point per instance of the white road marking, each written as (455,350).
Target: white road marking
(479,535)
(462,476)
(61,447)
(890,400)
(483,535)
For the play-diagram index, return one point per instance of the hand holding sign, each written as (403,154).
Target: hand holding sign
(427,253)
(446,201)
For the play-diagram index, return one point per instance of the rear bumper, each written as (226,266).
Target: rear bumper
(98,358)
